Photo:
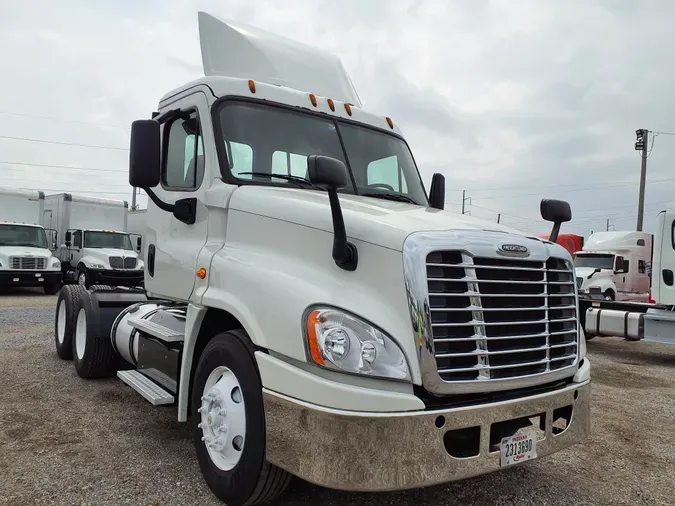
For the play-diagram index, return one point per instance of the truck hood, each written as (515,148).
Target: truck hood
(104,253)
(24,251)
(377,221)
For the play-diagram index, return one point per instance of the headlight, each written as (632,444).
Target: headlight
(96,266)
(56,265)
(339,341)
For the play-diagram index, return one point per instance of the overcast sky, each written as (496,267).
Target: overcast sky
(512,100)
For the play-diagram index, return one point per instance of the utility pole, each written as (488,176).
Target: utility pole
(464,199)
(641,145)
(498,217)
(607,225)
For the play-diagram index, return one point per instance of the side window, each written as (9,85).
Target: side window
(672,234)
(77,238)
(291,164)
(184,154)
(642,267)
(626,266)
(386,171)
(241,158)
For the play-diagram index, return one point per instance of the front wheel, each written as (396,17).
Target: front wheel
(83,277)
(228,424)
(609,295)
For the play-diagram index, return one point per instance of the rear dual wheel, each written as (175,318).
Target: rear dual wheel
(67,307)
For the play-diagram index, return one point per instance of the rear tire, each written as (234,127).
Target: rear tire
(93,354)
(67,306)
(609,295)
(227,394)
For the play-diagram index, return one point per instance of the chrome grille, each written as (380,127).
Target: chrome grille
(496,319)
(122,263)
(28,263)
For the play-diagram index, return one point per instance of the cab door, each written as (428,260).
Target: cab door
(663,284)
(173,246)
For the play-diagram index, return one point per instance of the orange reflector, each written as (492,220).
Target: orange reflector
(251,85)
(313,340)
(312,99)
(331,104)
(348,108)
(201,273)
(391,123)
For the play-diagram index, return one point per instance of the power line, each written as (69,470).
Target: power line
(48,118)
(96,169)
(62,143)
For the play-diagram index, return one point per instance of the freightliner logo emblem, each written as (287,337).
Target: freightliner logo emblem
(513,249)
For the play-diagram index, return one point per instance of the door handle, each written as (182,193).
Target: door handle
(667,277)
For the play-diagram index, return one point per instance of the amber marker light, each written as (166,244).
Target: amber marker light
(312,99)
(348,108)
(201,273)
(313,321)
(390,123)
(251,85)
(331,104)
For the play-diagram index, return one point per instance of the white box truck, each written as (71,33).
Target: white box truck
(617,263)
(94,247)
(26,258)
(136,229)
(311,309)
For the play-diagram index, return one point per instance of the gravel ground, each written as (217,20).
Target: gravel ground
(67,441)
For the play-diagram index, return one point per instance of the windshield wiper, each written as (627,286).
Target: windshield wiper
(398,197)
(300,181)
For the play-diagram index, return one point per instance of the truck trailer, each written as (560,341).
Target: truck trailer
(310,309)
(95,247)
(26,258)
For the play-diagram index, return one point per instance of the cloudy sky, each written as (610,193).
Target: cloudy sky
(513,100)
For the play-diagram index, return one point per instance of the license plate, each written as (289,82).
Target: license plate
(518,448)
(38,274)
(41,279)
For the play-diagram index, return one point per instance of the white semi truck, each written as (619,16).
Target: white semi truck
(310,309)
(26,258)
(136,229)
(96,248)
(651,322)
(617,263)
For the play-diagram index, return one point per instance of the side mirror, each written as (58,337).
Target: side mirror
(139,241)
(557,211)
(68,239)
(437,192)
(331,174)
(144,154)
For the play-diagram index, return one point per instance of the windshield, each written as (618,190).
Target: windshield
(594,261)
(107,240)
(22,235)
(274,140)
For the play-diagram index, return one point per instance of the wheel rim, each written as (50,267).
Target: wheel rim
(81,333)
(223,418)
(61,322)
(82,279)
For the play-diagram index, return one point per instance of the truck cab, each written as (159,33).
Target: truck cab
(311,309)
(618,264)
(102,257)
(663,286)
(26,259)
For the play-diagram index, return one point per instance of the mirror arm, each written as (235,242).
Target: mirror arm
(555,232)
(345,253)
(169,208)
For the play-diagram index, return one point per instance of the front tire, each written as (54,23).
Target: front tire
(609,295)
(67,306)
(228,424)
(83,277)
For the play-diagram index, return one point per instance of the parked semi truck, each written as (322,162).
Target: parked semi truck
(96,248)
(310,309)
(26,258)
(652,321)
(617,263)
(136,229)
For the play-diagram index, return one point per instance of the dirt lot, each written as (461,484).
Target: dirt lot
(67,441)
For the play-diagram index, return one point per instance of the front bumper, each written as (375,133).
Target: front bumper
(117,277)
(29,278)
(353,451)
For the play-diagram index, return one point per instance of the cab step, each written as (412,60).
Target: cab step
(152,392)
(156,330)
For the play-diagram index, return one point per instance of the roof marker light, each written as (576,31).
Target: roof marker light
(391,123)
(331,104)
(251,85)
(312,99)
(348,108)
